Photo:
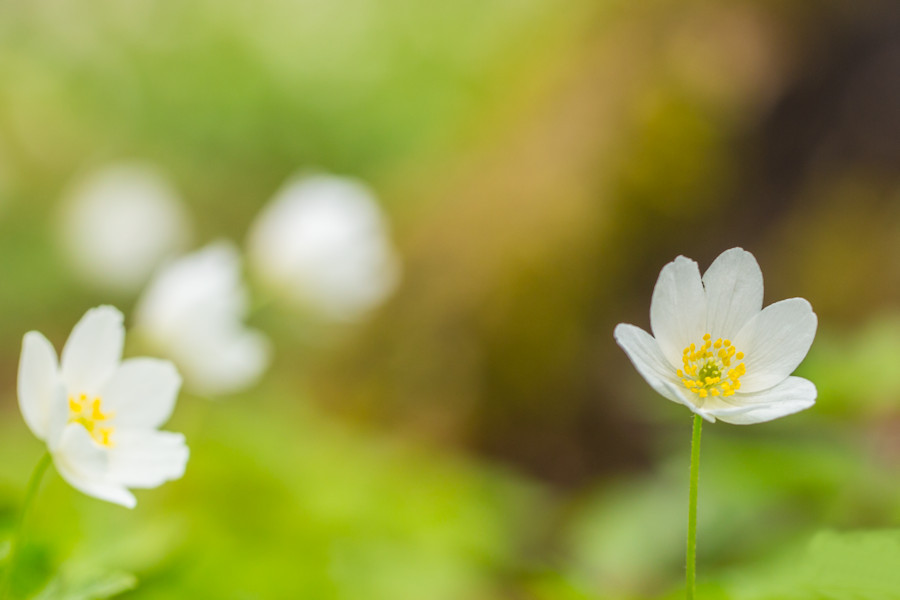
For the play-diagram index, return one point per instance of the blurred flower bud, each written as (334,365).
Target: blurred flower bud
(121,222)
(324,242)
(192,313)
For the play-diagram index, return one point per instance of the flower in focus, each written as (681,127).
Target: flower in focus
(324,242)
(121,222)
(716,350)
(99,414)
(192,312)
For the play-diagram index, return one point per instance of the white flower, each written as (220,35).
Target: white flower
(121,222)
(99,414)
(324,242)
(715,350)
(192,312)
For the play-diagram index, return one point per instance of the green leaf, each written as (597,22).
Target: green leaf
(96,587)
(835,566)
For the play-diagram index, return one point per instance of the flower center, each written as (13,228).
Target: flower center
(86,411)
(713,369)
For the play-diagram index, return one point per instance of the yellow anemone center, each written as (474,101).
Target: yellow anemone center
(86,411)
(713,368)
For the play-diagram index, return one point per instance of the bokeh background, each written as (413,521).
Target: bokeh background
(478,435)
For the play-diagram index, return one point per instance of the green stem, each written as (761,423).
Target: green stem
(17,539)
(691,567)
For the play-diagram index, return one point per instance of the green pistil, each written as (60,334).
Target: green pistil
(710,369)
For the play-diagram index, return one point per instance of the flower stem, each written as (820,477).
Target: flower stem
(691,560)
(17,539)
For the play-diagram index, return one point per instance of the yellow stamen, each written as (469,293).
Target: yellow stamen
(708,369)
(89,414)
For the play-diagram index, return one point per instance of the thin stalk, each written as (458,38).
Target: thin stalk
(691,560)
(16,542)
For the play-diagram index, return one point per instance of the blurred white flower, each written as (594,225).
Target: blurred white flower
(119,223)
(98,414)
(192,312)
(716,350)
(324,242)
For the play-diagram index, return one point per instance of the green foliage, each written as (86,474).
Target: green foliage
(858,364)
(834,566)
(758,494)
(287,504)
(280,499)
(87,587)
(204,87)
(557,586)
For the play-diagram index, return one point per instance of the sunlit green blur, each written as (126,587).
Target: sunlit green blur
(479,436)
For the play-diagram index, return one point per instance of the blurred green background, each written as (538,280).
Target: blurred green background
(479,436)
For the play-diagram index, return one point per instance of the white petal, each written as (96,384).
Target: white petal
(703,412)
(199,287)
(142,392)
(84,464)
(147,459)
(774,342)
(791,395)
(226,361)
(93,350)
(324,242)
(42,398)
(120,222)
(734,292)
(678,308)
(192,314)
(649,361)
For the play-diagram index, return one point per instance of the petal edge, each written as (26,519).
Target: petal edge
(93,350)
(790,396)
(38,384)
(647,357)
(734,292)
(775,342)
(678,308)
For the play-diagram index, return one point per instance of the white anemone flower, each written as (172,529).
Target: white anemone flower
(192,312)
(324,242)
(716,350)
(119,223)
(99,414)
